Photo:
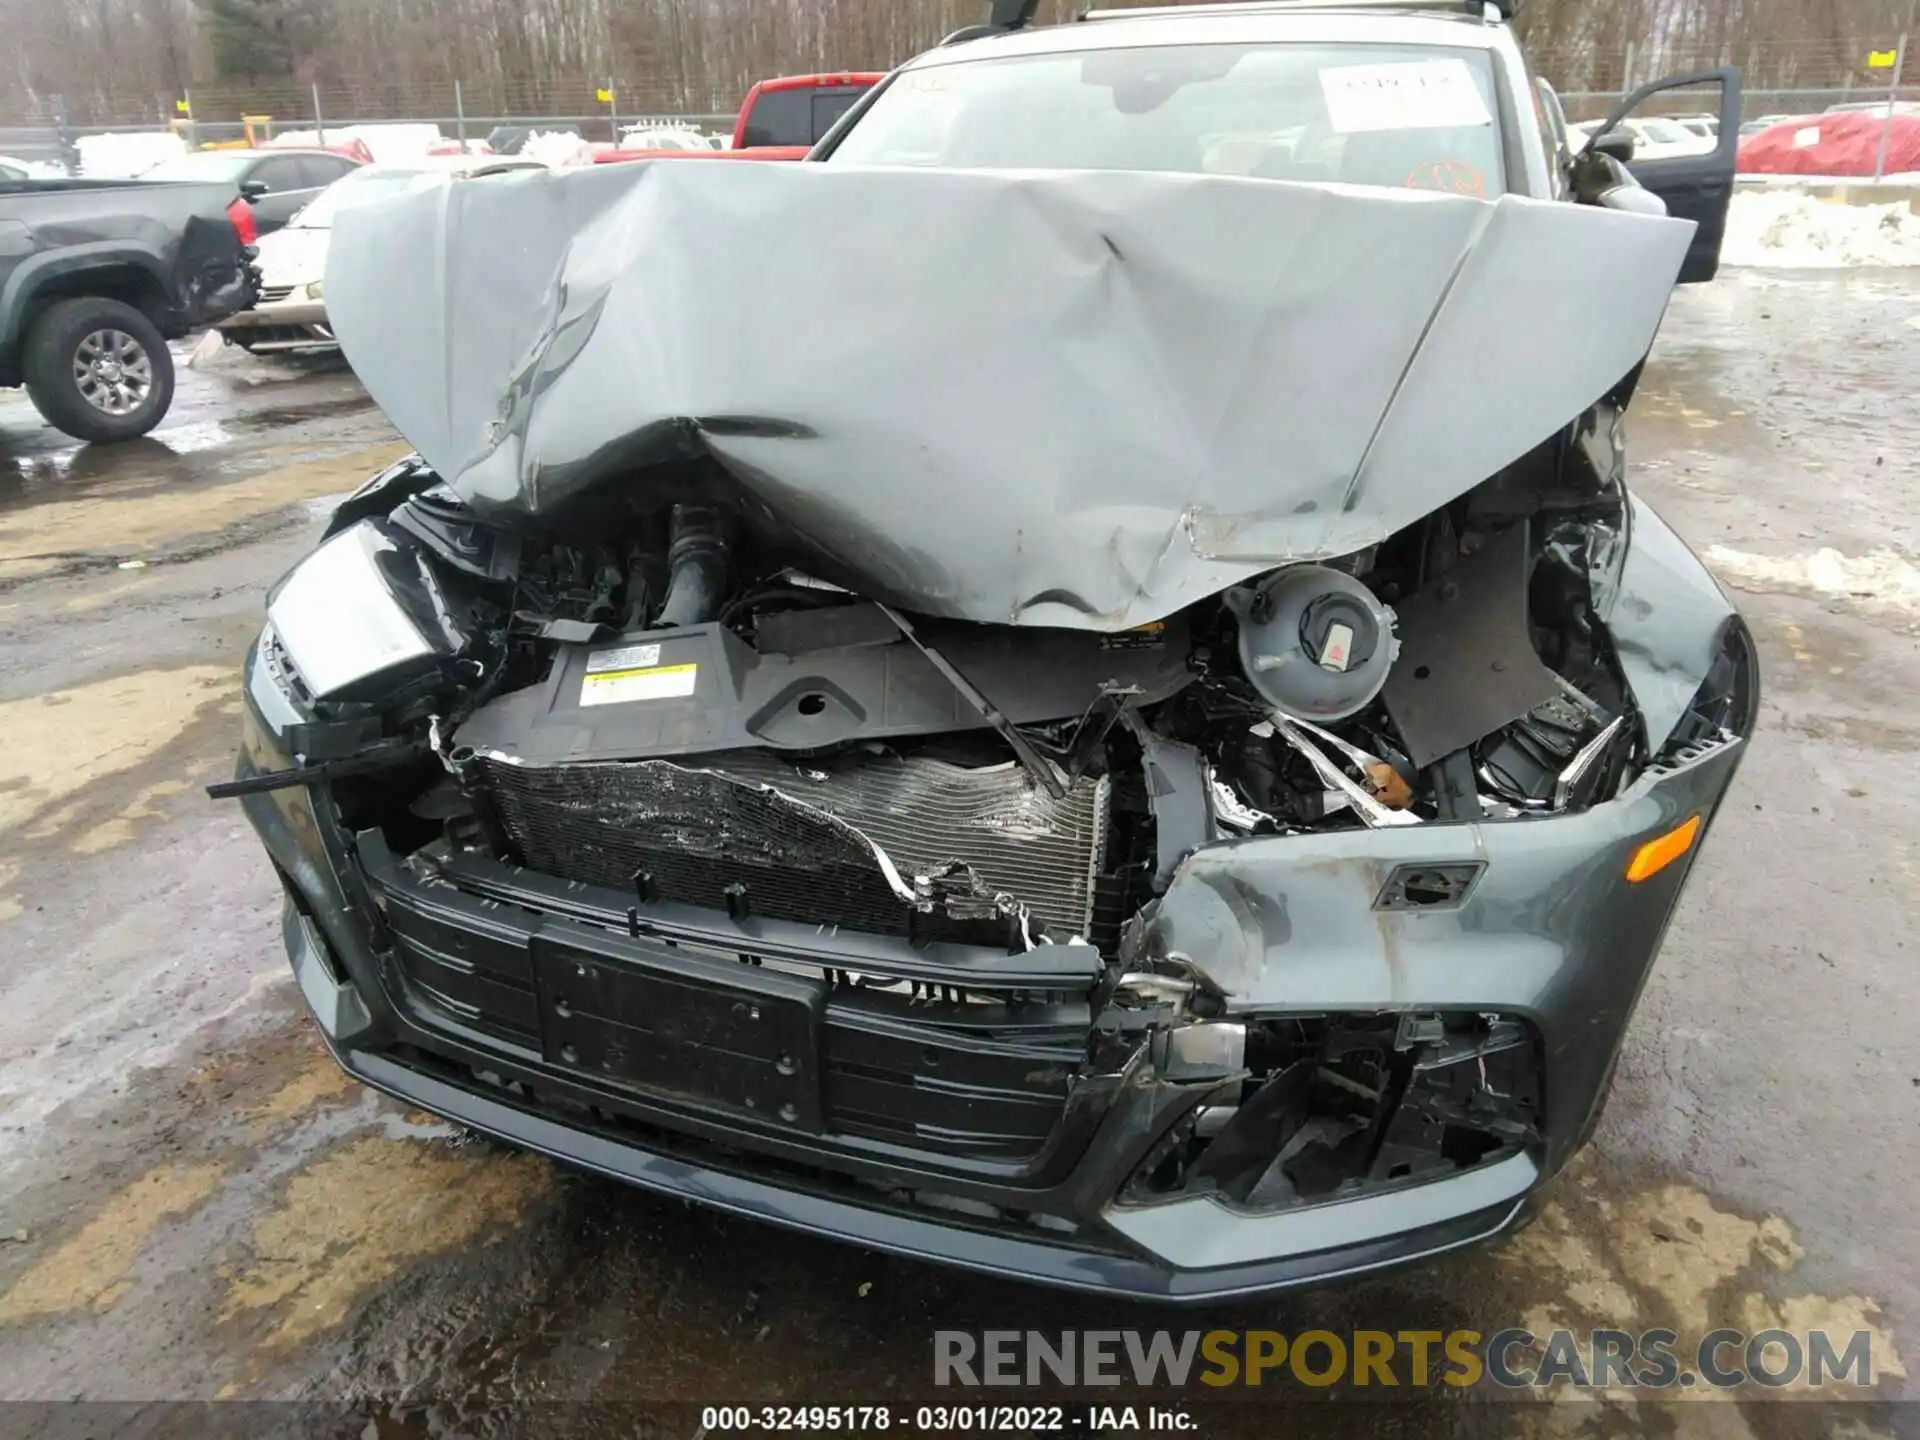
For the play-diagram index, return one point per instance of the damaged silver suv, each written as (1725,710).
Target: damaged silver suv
(1070,688)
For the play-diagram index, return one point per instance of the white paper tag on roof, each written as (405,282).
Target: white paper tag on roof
(1411,95)
(1806,137)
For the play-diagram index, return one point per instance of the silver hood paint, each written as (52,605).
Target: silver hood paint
(1081,399)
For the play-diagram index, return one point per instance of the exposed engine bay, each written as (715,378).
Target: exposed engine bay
(658,710)
(664,702)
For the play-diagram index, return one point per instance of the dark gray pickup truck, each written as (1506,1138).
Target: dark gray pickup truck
(96,276)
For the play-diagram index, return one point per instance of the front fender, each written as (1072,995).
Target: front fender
(40,272)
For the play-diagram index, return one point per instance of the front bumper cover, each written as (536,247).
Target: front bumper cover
(1550,933)
(282,325)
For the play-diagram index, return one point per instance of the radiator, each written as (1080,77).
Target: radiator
(859,841)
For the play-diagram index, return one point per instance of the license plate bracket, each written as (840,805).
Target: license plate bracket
(682,1027)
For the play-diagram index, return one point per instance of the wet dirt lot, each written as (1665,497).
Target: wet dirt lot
(194,1203)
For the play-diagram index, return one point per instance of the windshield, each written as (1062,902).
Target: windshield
(1365,114)
(357,189)
(201,165)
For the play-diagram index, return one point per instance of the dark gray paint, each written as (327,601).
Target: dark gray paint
(1667,619)
(1072,399)
(178,237)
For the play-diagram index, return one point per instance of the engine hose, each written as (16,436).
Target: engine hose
(696,567)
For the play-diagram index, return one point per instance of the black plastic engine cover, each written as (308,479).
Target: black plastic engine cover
(702,688)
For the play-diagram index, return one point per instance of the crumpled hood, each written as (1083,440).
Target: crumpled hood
(1080,399)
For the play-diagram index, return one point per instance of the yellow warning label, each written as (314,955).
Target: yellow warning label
(653,682)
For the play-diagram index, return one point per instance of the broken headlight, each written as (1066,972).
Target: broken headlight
(361,613)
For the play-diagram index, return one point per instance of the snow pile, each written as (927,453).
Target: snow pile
(388,144)
(557,148)
(1882,575)
(1790,229)
(121,157)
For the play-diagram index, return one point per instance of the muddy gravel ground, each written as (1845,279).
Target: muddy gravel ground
(195,1204)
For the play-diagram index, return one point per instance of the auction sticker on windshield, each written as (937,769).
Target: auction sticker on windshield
(1412,95)
(634,672)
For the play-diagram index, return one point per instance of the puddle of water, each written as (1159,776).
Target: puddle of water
(1669,1255)
(37,537)
(353,1220)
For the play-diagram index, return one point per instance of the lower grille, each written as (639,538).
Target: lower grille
(274,294)
(881,844)
(977,1072)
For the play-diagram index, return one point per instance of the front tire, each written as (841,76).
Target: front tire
(98,369)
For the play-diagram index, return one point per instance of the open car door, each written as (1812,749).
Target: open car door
(1695,187)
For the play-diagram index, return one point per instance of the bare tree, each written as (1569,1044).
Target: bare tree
(125,61)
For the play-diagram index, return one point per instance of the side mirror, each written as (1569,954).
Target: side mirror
(253,189)
(1616,144)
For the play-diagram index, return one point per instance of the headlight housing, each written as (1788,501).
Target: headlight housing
(316,290)
(362,614)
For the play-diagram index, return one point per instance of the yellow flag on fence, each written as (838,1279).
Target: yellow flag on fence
(1883,59)
(603,95)
(183,107)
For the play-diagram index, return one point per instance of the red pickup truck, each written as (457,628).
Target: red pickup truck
(781,119)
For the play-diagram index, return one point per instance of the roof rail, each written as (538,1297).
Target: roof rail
(1005,17)
(1476,8)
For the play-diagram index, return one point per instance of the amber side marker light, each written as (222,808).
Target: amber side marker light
(1654,856)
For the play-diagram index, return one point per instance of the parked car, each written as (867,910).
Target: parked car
(1154,753)
(1852,143)
(96,277)
(291,313)
(1656,137)
(275,183)
(660,137)
(1763,122)
(779,120)
(1875,107)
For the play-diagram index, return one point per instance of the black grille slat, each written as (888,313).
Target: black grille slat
(911,1106)
(800,840)
(976,1074)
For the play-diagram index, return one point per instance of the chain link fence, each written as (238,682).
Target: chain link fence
(1779,78)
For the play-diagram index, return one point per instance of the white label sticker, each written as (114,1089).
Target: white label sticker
(1806,137)
(1339,646)
(1416,95)
(659,682)
(623,657)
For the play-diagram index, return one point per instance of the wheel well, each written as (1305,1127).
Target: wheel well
(127,283)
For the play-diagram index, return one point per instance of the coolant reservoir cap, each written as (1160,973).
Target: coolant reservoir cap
(1338,633)
(1314,641)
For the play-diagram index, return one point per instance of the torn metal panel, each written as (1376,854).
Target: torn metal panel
(1369,809)
(1179,786)
(1667,621)
(1094,397)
